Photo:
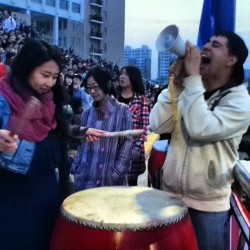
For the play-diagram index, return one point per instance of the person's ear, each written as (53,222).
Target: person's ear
(232,60)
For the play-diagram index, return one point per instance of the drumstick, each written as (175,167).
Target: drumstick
(134,132)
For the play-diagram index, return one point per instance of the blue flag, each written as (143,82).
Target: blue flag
(216,15)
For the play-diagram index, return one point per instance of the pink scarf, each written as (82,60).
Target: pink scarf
(30,120)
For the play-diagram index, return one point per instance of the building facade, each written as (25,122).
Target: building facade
(139,57)
(93,28)
(164,59)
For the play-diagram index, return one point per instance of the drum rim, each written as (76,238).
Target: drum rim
(116,228)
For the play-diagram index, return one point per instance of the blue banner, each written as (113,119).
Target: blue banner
(216,15)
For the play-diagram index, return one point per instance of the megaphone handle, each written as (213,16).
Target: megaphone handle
(172,99)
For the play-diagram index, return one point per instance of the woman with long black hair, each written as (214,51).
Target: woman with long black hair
(32,145)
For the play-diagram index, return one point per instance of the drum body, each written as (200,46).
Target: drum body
(123,218)
(155,162)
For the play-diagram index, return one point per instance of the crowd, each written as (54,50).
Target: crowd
(53,102)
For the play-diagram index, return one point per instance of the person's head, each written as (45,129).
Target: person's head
(131,76)
(98,83)
(68,80)
(74,66)
(7,13)
(24,35)
(225,52)
(5,35)
(77,81)
(11,38)
(36,68)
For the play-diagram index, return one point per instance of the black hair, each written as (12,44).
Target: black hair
(102,77)
(9,12)
(33,54)
(76,105)
(67,76)
(77,75)
(237,47)
(135,78)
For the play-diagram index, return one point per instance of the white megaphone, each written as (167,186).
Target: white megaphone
(170,40)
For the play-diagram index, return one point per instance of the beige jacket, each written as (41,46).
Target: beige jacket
(204,142)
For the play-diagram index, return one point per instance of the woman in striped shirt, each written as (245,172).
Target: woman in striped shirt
(105,162)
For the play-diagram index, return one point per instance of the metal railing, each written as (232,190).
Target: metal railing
(240,204)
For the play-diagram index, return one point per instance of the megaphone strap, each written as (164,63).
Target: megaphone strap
(172,99)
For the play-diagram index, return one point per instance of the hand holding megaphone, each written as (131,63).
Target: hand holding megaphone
(192,59)
(170,40)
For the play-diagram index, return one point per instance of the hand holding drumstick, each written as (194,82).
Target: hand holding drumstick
(9,138)
(8,141)
(93,134)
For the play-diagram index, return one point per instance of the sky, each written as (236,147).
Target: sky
(145,19)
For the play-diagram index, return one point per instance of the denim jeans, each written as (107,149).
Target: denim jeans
(211,229)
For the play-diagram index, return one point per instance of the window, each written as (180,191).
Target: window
(50,3)
(64,5)
(105,15)
(76,8)
(65,42)
(105,47)
(65,24)
(72,42)
(47,26)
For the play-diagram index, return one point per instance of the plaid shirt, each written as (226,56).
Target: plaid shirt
(140,108)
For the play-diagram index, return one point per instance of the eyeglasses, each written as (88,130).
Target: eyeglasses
(95,88)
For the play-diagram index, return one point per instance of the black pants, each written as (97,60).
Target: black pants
(132,182)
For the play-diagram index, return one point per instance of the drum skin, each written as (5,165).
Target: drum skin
(77,233)
(157,157)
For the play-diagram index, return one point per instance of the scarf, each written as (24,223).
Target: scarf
(33,119)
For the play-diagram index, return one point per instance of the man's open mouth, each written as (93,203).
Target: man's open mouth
(205,60)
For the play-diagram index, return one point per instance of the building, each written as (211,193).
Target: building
(93,28)
(141,58)
(164,59)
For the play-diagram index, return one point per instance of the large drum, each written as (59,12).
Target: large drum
(123,218)
(155,163)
